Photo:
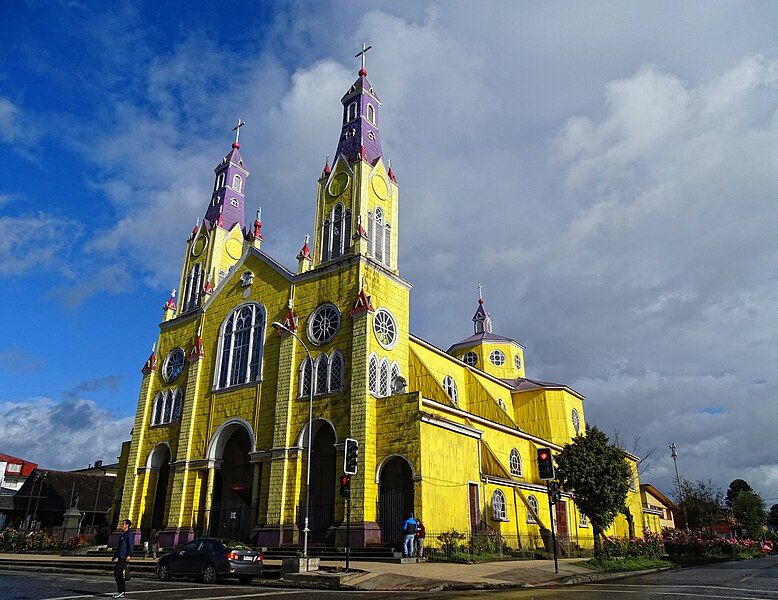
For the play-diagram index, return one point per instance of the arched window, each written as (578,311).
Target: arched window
(395,376)
(177,404)
(499,512)
(336,232)
(167,415)
(306,378)
(372,375)
(194,282)
(378,236)
(241,346)
(156,416)
(336,372)
(237,183)
(371,113)
(515,461)
(383,377)
(320,380)
(220,181)
(352,112)
(451,388)
(576,422)
(533,502)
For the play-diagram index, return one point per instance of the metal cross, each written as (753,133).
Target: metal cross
(479,287)
(236,129)
(365,48)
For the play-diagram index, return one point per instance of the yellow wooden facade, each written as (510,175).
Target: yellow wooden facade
(423,446)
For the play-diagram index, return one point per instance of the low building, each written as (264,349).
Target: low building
(657,509)
(13,471)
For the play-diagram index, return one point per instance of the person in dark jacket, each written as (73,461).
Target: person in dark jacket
(122,557)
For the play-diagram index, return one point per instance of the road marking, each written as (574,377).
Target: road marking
(682,586)
(254,595)
(656,593)
(157,591)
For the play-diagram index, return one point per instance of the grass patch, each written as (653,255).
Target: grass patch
(620,565)
(696,560)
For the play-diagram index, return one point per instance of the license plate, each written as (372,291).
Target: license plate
(251,558)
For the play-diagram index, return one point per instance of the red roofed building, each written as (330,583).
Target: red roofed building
(14,471)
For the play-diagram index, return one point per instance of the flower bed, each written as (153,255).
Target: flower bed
(685,545)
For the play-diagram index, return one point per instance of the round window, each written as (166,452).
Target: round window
(174,364)
(323,324)
(471,358)
(497,357)
(517,361)
(385,328)
(576,422)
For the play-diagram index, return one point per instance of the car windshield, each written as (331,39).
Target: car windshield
(232,544)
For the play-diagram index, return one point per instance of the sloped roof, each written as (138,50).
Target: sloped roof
(57,487)
(523,384)
(486,336)
(27,466)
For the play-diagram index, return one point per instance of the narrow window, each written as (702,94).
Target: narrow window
(242,344)
(533,502)
(371,113)
(373,375)
(326,241)
(336,372)
(378,242)
(336,243)
(352,111)
(515,461)
(384,378)
(177,404)
(320,386)
(306,378)
(237,183)
(156,417)
(498,506)
(451,388)
(168,415)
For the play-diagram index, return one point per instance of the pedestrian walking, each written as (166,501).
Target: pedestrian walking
(421,533)
(409,531)
(122,556)
(155,542)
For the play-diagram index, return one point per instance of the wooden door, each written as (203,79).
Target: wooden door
(475,513)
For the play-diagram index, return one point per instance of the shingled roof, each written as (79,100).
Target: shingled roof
(57,487)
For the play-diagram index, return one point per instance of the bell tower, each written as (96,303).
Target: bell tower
(357,200)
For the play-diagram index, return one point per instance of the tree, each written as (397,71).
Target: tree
(701,503)
(735,487)
(748,509)
(772,516)
(598,475)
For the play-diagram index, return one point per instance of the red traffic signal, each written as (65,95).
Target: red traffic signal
(345,480)
(345,486)
(546,469)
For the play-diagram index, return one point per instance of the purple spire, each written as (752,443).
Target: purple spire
(227,201)
(482,320)
(360,137)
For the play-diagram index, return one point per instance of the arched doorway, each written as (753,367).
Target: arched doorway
(231,500)
(159,463)
(323,483)
(395,498)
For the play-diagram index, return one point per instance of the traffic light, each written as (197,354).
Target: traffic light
(546,464)
(345,486)
(351,456)
(556,492)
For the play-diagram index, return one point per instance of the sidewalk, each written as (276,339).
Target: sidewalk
(426,576)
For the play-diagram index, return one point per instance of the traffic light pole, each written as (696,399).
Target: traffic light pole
(553,528)
(348,530)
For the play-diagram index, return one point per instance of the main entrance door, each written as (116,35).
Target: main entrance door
(322,499)
(231,512)
(395,499)
(160,491)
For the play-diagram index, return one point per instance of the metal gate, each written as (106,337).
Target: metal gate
(395,501)
(232,523)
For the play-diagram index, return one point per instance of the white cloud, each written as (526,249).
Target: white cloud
(32,241)
(62,435)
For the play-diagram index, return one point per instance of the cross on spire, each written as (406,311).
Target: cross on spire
(365,48)
(236,129)
(480,288)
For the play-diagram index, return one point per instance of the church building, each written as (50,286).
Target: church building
(220,439)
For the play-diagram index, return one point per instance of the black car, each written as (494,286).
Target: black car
(210,558)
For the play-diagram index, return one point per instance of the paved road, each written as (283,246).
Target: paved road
(742,580)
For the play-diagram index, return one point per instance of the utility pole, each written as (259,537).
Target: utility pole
(674,455)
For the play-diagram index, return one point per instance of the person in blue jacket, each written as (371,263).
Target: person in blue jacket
(409,532)
(122,556)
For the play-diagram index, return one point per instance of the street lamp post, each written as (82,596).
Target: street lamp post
(29,499)
(674,455)
(280,326)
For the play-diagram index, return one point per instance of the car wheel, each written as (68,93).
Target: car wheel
(209,573)
(245,580)
(163,572)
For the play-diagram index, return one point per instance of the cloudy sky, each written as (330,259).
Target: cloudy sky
(607,170)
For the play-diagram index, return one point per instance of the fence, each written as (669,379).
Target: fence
(454,546)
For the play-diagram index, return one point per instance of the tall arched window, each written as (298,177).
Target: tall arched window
(336,372)
(515,461)
(194,283)
(237,183)
(499,512)
(383,378)
(156,416)
(167,416)
(378,235)
(177,404)
(336,237)
(395,376)
(372,375)
(219,181)
(320,380)
(371,113)
(306,378)
(451,388)
(533,502)
(352,112)
(241,346)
